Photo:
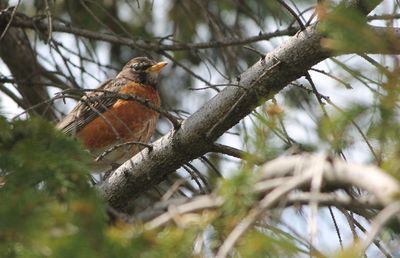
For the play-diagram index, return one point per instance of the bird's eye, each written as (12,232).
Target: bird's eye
(140,66)
(135,66)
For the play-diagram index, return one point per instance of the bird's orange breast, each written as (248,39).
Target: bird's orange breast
(125,120)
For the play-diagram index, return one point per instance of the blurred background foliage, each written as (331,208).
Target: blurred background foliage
(349,108)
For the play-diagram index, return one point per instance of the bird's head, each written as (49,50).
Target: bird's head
(142,70)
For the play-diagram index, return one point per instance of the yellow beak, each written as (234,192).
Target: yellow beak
(157,67)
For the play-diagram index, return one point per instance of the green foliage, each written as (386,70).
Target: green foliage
(33,152)
(259,244)
(267,131)
(386,129)
(171,241)
(348,31)
(237,192)
(336,130)
(47,202)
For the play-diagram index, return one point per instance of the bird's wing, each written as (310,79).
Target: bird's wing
(89,107)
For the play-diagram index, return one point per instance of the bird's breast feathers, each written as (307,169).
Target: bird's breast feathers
(124,120)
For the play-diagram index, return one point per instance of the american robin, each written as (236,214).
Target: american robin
(102,122)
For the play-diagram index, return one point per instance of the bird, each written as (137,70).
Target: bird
(110,125)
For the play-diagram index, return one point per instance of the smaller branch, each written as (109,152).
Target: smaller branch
(173,189)
(206,161)
(188,70)
(293,13)
(195,175)
(303,241)
(198,203)
(12,96)
(336,227)
(328,100)
(200,175)
(338,173)
(293,199)
(230,151)
(383,17)
(330,75)
(265,186)
(377,241)
(49,21)
(13,13)
(392,210)
(176,122)
(257,211)
(316,183)
(108,151)
(352,222)
(357,206)
(31,23)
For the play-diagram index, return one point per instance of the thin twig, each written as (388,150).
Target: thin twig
(195,173)
(176,122)
(230,151)
(293,13)
(198,203)
(254,213)
(211,165)
(12,16)
(27,22)
(392,210)
(336,227)
(49,20)
(108,151)
(316,183)
(376,241)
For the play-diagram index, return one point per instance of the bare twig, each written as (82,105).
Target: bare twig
(376,241)
(315,191)
(224,149)
(13,13)
(198,203)
(27,22)
(339,173)
(383,17)
(392,210)
(255,213)
(176,122)
(293,13)
(49,21)
(336,227)
(108,151)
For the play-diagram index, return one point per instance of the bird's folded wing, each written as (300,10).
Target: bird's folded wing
(91,106)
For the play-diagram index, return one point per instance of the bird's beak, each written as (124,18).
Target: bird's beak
(157,67)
